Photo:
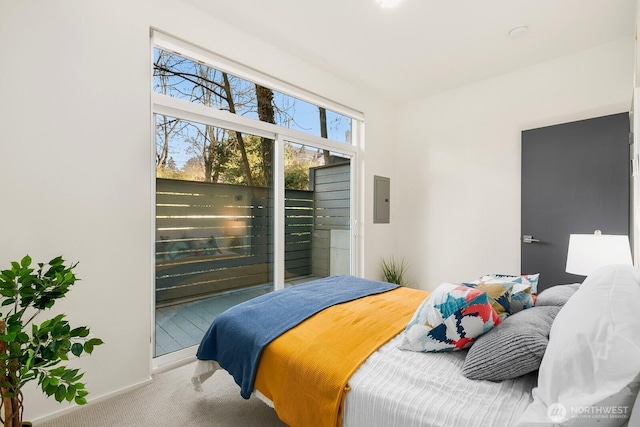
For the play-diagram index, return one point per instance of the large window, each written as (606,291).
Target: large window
(194,81)
(254,188)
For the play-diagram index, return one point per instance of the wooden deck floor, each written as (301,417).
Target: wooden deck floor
(183,325)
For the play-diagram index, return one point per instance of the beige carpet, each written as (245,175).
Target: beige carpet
(171,401)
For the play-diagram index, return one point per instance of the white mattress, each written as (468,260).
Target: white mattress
(396,388)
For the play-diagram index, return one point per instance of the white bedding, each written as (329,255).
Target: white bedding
(396,388)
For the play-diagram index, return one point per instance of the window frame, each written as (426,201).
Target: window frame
(183,109)
(190,51)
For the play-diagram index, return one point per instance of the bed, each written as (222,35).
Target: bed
(394,382)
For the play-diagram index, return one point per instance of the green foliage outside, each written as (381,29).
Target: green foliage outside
(296,169)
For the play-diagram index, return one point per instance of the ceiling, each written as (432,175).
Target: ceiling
(423,47)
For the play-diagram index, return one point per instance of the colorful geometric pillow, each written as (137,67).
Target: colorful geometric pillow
(451,318)
(499,293)
(522,291)
(525,279)
(521,298)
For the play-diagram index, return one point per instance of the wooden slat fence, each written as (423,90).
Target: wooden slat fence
(212,238)
(332,196)
(332,210)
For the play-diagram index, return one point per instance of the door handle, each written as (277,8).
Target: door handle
(529,239)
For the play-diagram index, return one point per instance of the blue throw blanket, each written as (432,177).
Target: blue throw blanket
(237,337)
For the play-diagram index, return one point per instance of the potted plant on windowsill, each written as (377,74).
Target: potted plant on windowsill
(31,351)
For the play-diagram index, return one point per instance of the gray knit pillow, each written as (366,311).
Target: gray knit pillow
(513,348)
(557,295)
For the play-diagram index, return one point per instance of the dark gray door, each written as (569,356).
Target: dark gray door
(575,179)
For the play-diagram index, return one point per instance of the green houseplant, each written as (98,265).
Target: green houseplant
(394,271)
(31,351)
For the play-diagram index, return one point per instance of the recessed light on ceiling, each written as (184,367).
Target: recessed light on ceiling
(519,31)
(386,4)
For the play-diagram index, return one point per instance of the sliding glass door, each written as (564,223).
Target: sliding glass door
(254,189)
(214,231)
(317,212)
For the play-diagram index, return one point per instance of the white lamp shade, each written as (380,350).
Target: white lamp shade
(588,252)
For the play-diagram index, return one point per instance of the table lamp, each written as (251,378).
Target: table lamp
(588,252)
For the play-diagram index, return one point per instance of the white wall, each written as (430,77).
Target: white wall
(77,167)
(459,165)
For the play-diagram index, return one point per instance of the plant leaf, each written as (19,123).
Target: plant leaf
(71,393)
(61,393)
(76,349)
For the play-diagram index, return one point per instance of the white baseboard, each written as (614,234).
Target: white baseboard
(159,365)
(106,396)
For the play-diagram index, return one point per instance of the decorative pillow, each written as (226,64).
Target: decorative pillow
(512,349)
(499,293)
(591,365)
(557,295)
(521,297)
(178,250)
(522,291)
(524,279)
(210,247)
(451,318)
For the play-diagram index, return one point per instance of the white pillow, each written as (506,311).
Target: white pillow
(589,372)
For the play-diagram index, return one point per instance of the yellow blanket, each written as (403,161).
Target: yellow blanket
(305,371)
